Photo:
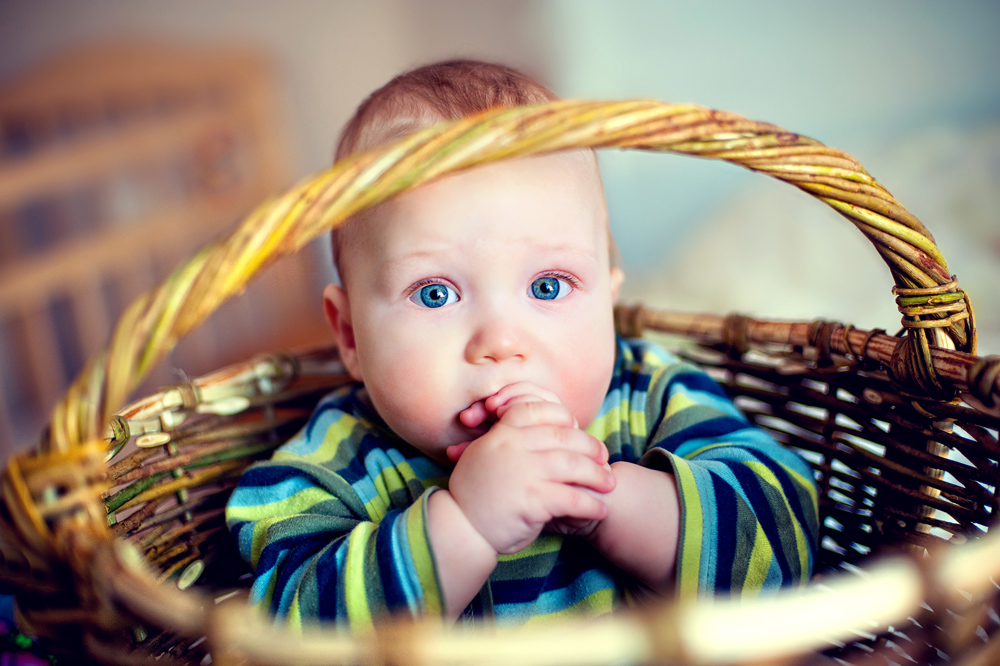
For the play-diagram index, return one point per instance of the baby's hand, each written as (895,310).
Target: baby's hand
(512,481)
(532,467)
(500,403)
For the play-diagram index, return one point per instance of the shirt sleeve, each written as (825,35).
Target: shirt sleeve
(749,512)
(319,553)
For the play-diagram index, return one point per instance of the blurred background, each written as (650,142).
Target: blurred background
(133,132)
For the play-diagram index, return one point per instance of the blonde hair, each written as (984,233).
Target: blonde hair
(434,93)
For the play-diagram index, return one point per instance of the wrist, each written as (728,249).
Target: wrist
(602,534)
(641,530)
(454,531)
(465,559)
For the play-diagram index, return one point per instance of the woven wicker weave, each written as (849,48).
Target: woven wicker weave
(121,546)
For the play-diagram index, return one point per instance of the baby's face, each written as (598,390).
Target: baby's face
(480,280)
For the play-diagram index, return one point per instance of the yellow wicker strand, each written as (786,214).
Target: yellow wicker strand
(174,294)
(792,158)
(666,137)
(847,174)
(889,226)
(908,260)
(91,411)
(62,429)
(23,511)
(779,629)
(257,241)
(749,150)
(753,147)
(881,203)
(118,361)
(872,189)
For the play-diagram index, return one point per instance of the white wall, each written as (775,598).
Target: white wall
(909,87)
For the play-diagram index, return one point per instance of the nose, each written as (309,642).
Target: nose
(496,339)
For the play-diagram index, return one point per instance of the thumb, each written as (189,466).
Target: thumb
(455,451)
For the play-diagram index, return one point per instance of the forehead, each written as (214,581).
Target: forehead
(556,199)
(562,192)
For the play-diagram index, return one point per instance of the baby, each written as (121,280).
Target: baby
(502,453)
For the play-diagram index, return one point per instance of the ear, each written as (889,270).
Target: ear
(338,313)
(617,278)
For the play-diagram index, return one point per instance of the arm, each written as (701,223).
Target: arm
(641,530)
(465,558)
(748,515)
(319,555)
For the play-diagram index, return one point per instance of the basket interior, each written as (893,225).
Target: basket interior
(894,471)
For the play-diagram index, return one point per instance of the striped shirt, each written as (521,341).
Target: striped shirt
(335,524)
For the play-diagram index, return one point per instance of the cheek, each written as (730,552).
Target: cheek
(585,392)
(406,381)
(585,382)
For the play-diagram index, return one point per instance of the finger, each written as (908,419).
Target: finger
(527,413)
(517,400)
(474,415)
(577,526)
(507,393)
(455,451)
(548,438)
(565,501)
(529,399)
(572,468)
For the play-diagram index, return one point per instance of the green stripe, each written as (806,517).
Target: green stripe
(691,526)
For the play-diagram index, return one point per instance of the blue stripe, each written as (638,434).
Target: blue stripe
(289,577)
(308,543)
(326,413)
(719,427)
(426,469)
(282,486)
(712,400)
(328,578)
(553,601)
(403,561)
(790,490)
(260,585)
(265,475)
(388,565)
(726,533)
(519,590)
(765,512)
(709,527)
(696,380)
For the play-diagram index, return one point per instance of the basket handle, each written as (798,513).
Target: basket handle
(934,309)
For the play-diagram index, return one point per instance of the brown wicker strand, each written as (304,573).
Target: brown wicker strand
(951,366)
(984,380)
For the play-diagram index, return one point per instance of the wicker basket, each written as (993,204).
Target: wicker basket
(121,547)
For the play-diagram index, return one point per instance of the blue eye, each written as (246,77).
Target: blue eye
(435,295)
(550,288)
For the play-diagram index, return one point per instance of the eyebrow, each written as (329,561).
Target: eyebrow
(554,248)
(569,248)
